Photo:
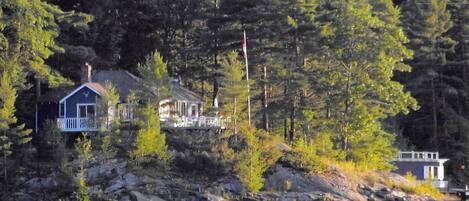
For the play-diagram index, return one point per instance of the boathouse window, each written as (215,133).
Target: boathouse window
(62,110)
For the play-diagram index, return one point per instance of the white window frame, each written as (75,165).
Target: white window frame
(85,104)
(60,109)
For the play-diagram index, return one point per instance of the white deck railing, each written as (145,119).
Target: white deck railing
(195,122)
(417,156)
(77,124)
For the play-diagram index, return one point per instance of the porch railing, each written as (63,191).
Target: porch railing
(417,156)
(195,122)
(77,124)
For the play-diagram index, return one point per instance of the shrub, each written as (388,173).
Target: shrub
(150,141)
(420,188)
(257,153)
(304,156)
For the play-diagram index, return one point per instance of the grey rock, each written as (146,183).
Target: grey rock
(212,197)
(43,184)
(137,196)
(131,181)
(21,196)
(125,198)
(116,185)
(300,182)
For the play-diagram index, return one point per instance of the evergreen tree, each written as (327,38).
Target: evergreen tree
(28,32)
(233,90)
(150,141)
(255,158)
(84,151)
(12,135)
(426,24)
(359,51)
(155,75)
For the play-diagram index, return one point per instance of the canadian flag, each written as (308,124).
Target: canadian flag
(245,49)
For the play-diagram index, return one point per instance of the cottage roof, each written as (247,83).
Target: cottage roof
(123,81)
(183,94)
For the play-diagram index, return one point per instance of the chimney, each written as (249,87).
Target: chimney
(87,72)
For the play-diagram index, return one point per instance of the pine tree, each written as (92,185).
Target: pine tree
(84,150)
(233,90)
(32,27)
(360,48)
(12,135)
(426,24)
(155,74)
(150,141)
(255,158)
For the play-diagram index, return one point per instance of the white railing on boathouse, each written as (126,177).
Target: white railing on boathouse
(77,124)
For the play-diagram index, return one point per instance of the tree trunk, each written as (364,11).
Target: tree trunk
(434,114)
(215,91)
(5,175)
(346,111)
(235,131)
(292,118)
(265,116)
(285,121)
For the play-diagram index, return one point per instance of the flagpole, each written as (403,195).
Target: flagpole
(247,75)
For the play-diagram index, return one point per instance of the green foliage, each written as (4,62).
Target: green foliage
(84,151)
(30,40)
(11,135)
(82,194)
(255,158)
(150,141)
(107,111)
(107,149)
(424,188)
(355,66)
(155,73)
(304,155)
(233,91)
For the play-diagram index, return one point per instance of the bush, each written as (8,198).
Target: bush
(304,156)
(425,188)
(252,156)
(150,141)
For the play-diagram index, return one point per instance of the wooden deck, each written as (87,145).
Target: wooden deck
(185,123)
(201,122)
(77,124)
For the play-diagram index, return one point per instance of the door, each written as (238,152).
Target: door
(86,114)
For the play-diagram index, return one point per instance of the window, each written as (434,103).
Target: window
(62,110)
(193,110)
(86,111)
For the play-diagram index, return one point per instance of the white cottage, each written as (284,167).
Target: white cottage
(184,109)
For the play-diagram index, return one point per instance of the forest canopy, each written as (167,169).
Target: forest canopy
(366,77)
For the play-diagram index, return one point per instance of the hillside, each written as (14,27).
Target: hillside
(196,173)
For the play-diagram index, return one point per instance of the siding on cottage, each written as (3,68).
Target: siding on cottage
(415,168)
(79,97)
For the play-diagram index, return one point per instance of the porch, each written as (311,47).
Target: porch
(91,124)
(77,124)
(200,122)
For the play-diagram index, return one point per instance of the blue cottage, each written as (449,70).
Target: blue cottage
(75,108)
(423,165)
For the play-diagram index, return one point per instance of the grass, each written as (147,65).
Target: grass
(362,174)
(424,188)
